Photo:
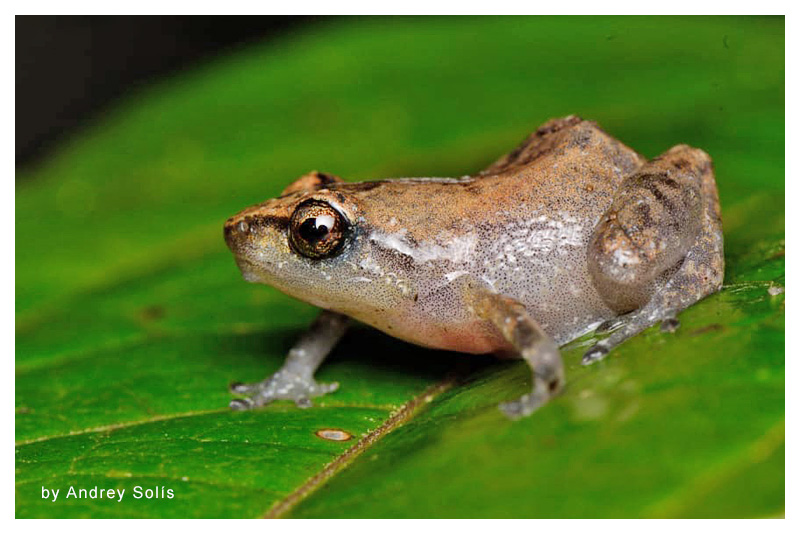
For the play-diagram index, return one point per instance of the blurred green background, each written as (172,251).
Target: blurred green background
(131,318)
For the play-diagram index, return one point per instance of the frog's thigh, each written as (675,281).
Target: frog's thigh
(530,342)
(658,248)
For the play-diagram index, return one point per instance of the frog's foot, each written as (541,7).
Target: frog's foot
(698,276)
(283,385)
(658,248)
(543,390)
(525,405)
(628,327)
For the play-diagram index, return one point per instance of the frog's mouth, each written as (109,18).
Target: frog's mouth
(248,269)
(254,265)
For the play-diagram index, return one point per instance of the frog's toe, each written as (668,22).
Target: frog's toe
(670,324)
(595,354)
(248,403)
(609,325)
(316,389)
(326,388)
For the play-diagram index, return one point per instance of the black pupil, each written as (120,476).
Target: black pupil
(315,228)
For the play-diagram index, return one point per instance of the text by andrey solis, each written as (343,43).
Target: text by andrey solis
(115,494)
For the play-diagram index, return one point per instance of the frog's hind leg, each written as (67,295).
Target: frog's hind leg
(530,342)
(658,249)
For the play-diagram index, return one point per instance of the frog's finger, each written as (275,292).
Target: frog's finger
(241,388)
(239,405)
(525,405)
(670,324)
(303,402)
(595,354)
(324,388)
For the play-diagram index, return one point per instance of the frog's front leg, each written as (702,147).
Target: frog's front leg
(529,342)
(658,248)
(295,379)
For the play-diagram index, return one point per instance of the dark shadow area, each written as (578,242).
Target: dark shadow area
(69,68)
(364,346)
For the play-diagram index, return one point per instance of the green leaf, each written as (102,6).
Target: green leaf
(132,318)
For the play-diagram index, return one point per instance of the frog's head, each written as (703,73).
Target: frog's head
(299,242)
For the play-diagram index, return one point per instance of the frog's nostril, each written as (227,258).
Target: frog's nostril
(237,232)
(235,229)
(231,234)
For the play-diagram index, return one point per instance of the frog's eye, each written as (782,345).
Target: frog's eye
(317,230)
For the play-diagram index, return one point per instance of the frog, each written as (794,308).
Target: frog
(569,233)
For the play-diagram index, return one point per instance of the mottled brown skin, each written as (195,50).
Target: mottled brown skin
(569,230)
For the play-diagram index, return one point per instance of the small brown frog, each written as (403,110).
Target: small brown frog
(569,232)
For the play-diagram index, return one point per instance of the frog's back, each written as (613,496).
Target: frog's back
(566,166)
(521,227)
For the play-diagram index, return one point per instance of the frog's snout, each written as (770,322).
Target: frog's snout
(238,236)
(235,233)
(256,239)
(244,237)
